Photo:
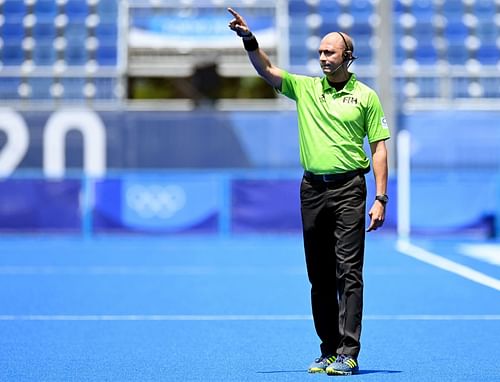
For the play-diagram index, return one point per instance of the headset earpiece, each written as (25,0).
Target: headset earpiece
(347,54)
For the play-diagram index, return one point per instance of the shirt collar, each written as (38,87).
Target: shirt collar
(348,88)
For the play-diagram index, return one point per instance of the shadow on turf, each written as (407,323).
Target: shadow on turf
(379,372)
(305,371)
(281,371)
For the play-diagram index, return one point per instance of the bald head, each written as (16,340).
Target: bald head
(335,56)
(339,40)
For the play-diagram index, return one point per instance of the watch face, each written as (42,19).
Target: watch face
(382,198)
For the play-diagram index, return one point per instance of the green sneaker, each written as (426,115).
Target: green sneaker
(320,364)
(343,365)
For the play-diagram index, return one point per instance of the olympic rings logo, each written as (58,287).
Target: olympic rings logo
(155,201)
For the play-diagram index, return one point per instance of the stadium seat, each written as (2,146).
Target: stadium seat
(12,31)
(107,10)
(298,8)
(400,55)
(425,53)
(76,10)
(488,54)
(484,9)
(361,29)
(460,88)
(457,54)
(299,33)
(361,10)
(327,27)
(40,88)
(487,31)
(364,51)
(299,55)
(107,54)
(75,53)
(453,8)
(73,87)
(456,31)
(491,86)
(14,10)
(44,53)
(44,31)
(8,88)
(423,31)
(423,9)
(444,31)
(45,9)
(105,88)
(12,54)
(329,8)
(107,30)
(76,32)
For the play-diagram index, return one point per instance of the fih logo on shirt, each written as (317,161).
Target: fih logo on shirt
(350,100)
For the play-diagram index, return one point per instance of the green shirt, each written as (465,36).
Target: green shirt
(333,125)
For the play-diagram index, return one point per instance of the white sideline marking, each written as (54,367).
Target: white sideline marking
(103,270)
(283,317)
(486,252)
(49,270)
(154,317)
(421,254)
(434,317)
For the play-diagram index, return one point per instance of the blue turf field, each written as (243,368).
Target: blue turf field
(212,309)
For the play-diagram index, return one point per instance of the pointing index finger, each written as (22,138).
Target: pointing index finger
(234,13)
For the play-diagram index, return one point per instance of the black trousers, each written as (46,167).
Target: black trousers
(333,219)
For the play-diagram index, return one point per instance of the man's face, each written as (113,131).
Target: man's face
(330,53)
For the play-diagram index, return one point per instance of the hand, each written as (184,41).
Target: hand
(238,24)
(377,216)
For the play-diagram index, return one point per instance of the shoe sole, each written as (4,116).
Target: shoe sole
(316,370)
(339,372)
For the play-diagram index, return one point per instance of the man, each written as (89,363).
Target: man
(335,113)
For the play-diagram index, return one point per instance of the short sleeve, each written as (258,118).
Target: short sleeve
(290,85)
(377,128)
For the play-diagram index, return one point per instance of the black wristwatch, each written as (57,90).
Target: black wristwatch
(382,198)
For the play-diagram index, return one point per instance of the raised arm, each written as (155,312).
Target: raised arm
(270,73)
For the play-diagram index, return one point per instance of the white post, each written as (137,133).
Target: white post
(384,57)
(404,158)
(123,25)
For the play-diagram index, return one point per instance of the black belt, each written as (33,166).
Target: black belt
(334,177)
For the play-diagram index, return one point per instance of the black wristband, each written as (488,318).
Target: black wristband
(247,34)
(250,44)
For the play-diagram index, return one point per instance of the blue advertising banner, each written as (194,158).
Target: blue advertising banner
(39,205)
(215,203)
(158,204)
(260,206)
(97,143)
(273,205)
(473,139)
(132,140)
